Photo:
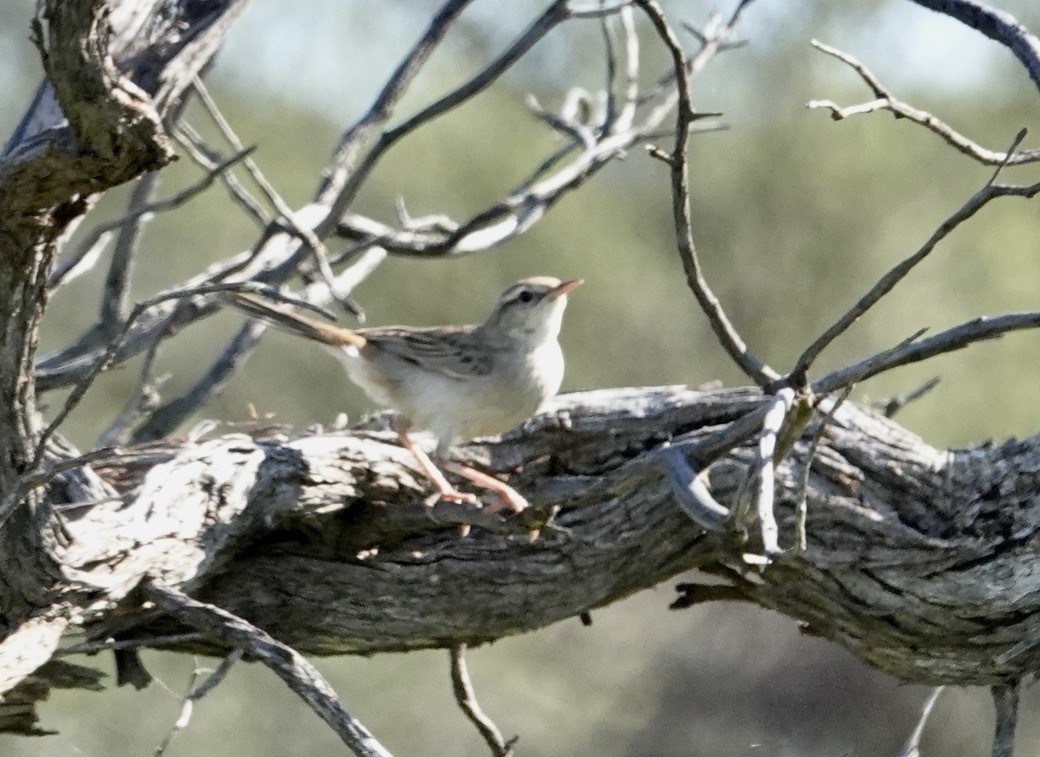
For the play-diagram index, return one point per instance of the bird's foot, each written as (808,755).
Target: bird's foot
(458,497)
(507,498)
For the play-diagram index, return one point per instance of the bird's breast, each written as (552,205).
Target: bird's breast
(454,406)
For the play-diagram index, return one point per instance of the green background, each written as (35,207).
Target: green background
(794,215)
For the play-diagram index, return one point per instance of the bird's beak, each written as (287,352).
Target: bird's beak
(562,289)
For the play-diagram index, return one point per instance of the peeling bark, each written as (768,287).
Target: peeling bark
(918,559)
(95,123)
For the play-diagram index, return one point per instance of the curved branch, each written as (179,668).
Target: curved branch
(726,333)
(915,350)
(887,101)
(998,25)
(302,677)
(325,543)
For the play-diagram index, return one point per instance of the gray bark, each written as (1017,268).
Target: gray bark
(917,561)
(113,71)
(920,561)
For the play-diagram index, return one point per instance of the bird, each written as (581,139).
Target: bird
(457,382)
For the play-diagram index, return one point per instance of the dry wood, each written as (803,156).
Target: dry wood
(324,542)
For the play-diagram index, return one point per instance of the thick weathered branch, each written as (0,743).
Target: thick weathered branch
(325,543)
(93,125)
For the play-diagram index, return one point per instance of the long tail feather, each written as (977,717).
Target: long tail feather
(294,323)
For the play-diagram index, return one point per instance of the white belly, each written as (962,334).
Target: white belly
(452,407)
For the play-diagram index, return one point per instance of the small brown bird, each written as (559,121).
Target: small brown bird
(455,381)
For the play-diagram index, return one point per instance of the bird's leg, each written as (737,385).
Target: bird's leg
(507,498)
(444,487)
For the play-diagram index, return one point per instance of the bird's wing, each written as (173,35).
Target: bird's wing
(452,352)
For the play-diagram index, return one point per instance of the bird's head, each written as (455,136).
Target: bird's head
(532,309)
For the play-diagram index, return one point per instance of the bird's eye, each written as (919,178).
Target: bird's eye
(525,296)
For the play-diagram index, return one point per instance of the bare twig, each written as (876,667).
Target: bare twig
(611,59)
(896,274)
(690,488)
(218,675)
(111,645)
(145,399)
(466,698)
(197,691)
(136,213)
(712,447)
(724,330)
(765,467)
(596,8)
(115,302)
(344,176)
(345,193)
(885,100)
(79,262)
(802,510)
(163,420)
(286,215)
(912,748)
(975,330)
(302,677)
(1005,701)
(207,157)
(36,479)
(1010,151)
(893,405)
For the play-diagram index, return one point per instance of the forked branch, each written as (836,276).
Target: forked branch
(303,679)
(677,161)
(886,101)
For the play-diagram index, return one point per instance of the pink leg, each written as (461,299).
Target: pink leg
(508,498)
(444,487)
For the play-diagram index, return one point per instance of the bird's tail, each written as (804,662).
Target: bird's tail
(294,323)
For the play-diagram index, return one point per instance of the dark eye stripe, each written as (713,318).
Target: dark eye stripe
(521,293)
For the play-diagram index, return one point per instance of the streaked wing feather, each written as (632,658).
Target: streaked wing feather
(451,352)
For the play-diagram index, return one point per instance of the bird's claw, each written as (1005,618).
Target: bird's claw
(508,499)
(459,497)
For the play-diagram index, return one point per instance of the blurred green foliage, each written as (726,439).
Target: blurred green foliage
(795,215)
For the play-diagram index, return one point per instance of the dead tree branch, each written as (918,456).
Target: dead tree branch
(466,698)
(998,25)
(912,748)
(724,330)
(302,677)
(888,518)
(885,100)
(898,272)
